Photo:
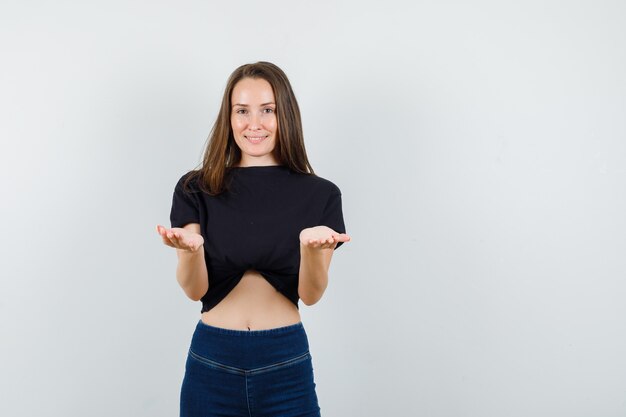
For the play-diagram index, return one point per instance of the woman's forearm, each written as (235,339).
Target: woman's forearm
(191,273)
(313,275)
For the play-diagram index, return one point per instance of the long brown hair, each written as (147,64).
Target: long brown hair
(222,151)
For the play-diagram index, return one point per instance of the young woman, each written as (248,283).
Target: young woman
(254,230)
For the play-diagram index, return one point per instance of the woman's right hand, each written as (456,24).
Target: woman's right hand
(180,238)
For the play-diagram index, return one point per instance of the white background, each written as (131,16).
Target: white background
(480,147)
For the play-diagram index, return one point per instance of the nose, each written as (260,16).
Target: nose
(255,121)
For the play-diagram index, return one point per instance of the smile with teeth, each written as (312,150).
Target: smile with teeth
(255,139)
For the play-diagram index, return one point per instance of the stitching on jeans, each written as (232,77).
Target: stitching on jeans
(216,364)
(240,371)
(248,397)
(292,361)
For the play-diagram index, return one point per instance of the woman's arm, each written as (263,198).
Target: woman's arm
(191,272)
(317,245)
(313,277)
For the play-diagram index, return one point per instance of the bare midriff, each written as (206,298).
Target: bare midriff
(254,304)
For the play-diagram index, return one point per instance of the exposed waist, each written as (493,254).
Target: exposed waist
(254,304)
(248,322)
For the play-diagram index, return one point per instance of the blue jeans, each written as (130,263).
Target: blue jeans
(249,373)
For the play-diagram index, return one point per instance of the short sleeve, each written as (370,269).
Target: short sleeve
(333,214)
(184,205)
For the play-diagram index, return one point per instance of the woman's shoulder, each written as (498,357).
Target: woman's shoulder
(189,181)
(316,181)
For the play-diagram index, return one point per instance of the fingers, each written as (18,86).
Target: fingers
(342,237)
(320,243)
(168,243)
(173,238)
(163,232)
(326,243)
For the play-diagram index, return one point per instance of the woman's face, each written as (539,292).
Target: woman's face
(253,120)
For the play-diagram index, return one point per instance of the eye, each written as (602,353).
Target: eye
(241,111)
(268,110)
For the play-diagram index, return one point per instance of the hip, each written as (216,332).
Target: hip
(243,373)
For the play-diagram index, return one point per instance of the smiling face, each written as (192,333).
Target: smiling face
(254,123)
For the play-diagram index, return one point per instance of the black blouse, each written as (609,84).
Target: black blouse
(256,224)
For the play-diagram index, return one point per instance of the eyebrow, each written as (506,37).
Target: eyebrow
(245,105)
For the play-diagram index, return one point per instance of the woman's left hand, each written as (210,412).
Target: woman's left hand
(322,237)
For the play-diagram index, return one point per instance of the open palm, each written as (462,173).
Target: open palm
(180,238)
(322,237)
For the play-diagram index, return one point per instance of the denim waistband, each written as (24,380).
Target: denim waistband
(249,349)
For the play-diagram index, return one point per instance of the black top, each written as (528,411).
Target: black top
(256,224)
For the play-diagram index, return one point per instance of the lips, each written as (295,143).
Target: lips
(255,139)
